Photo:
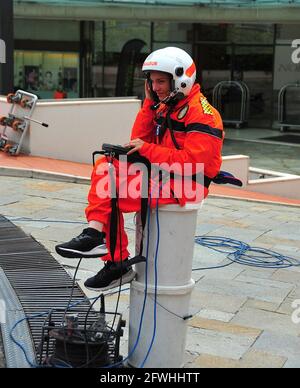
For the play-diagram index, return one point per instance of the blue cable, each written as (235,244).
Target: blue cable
(242,253)
(145,296)
(32,364)
(155,288)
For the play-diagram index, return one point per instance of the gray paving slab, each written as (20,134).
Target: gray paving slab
(227,273)
(217,343)
(213,301)
(246,235)
(263,273)
(243,289)
(279,343)
(292,363)
(266,320)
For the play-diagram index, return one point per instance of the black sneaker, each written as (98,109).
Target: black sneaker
(111,275)
(90,243)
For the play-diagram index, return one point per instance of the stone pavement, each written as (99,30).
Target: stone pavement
(242,316)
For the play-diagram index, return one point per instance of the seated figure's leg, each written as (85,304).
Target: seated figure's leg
(94,241)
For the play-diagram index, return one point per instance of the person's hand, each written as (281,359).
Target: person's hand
(147,90)
(136,144)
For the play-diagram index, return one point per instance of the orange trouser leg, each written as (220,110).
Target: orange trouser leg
(99,202)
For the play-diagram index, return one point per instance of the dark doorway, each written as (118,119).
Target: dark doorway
(244,53)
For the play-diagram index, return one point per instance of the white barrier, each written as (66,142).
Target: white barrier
(78,127)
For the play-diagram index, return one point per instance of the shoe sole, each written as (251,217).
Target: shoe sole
(127,278)
(71,254)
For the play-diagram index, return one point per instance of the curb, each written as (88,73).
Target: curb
(43,174)
(254,200)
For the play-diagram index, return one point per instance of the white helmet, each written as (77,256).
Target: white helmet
(176,62)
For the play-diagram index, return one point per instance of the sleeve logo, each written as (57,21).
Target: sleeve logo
(206,106)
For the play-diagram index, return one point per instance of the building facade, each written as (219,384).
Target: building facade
(95,48)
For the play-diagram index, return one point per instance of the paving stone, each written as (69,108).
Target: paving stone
(215,314)
(263,273)
(209,361)
(246,235)
(254,221)
(279,344)
(292,362)
(284,216)
(227,221)
(17,209)
(189,359)
(203,228)
(257,359)
(9,199)
(272,240)
(89,266)
(261,305)
(286,249)
(204,257)
(286,306)
(295,293)
(212,301)
(266,320)
(218,343)
(271,284)
(243,289)
(283,275)
(226,273)
(224,327)
(252,359)
(44,186)
(295,268)
(197,276)
(58,233)
(286,230)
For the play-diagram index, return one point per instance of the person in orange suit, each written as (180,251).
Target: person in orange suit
(59,93)
(176,128)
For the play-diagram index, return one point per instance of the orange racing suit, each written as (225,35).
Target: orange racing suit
(191,132)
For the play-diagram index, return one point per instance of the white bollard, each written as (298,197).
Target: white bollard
(174,286)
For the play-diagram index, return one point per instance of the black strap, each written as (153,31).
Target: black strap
(169,122)
(144,201)
(204,128)
(195,177)
(113,231)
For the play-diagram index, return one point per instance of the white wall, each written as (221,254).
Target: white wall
(78,127)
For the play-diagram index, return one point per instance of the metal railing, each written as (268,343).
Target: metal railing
(242,91)
(282,106)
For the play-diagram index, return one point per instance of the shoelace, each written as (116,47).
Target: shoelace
(82,235)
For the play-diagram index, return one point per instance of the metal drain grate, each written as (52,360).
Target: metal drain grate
(38,280)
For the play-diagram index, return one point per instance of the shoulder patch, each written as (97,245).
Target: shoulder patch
(206,106)
(182,112)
